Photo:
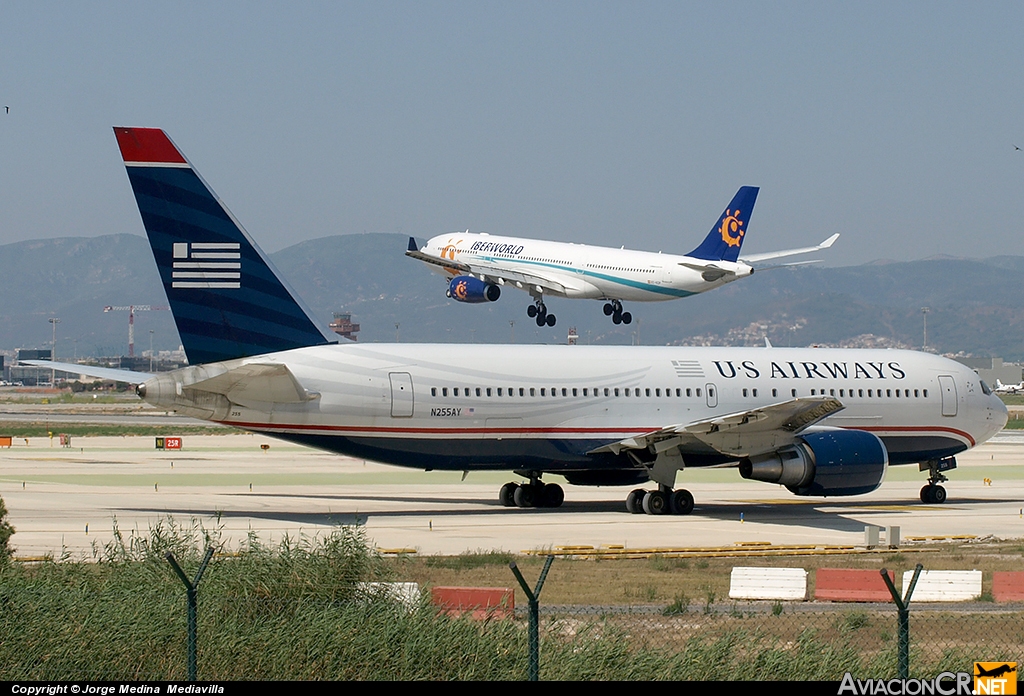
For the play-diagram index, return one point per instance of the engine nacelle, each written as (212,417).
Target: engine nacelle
(825,462)
(473,290)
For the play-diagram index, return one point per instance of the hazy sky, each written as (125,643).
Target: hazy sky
(608,123)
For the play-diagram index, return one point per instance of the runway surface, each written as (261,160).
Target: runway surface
(65,500)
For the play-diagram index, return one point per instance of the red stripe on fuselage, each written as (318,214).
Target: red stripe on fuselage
(552,431)
(147,145)
(435,431)
(917,429)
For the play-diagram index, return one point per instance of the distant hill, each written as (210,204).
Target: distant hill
(975,305)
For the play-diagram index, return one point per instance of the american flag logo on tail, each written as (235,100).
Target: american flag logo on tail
(207,265)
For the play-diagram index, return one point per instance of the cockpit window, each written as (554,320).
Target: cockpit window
(985,389)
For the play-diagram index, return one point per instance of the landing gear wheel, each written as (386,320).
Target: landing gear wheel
(635,501)
(938,495)
(551,320)
(655,503)
(541,320)
(507,494)
(617,318)
(552,495)
(608,309)
(627,318)
(525,496)
(681,502)
(926,494)
(531,311)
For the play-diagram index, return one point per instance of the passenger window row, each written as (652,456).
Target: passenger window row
(566,391)
(657,392)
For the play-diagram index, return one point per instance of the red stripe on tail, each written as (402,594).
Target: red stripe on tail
(147,145)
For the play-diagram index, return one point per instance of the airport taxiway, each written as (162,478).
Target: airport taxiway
(65,500)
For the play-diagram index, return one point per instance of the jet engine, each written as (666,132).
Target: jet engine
(824,462)
(473,290)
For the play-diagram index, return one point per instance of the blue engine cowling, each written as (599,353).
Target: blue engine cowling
(473,290)
(825,462)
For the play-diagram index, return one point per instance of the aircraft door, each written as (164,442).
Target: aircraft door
(711,392)
(401,395)
(947,387)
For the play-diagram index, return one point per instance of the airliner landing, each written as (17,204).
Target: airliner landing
(479,265)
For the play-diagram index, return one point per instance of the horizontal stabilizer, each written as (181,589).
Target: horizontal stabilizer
(127,376)
(254,382)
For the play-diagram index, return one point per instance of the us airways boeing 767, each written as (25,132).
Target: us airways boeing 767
(821,422)
(479,265)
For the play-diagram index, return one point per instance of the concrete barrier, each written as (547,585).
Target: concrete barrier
(768,583)
(851,585)
(944,585)
(1008,586)
(479,602)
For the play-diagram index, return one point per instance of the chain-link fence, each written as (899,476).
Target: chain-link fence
(303,611)
(784,641)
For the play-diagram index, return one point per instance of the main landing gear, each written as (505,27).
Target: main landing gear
(934,493)
(536,493)
(540,312)
(613,309)
(663,501)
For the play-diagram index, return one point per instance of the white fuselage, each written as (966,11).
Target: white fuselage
(585,272)
(547,408)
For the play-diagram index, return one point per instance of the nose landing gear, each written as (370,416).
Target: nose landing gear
(539,312)
(933,493)
(613,309)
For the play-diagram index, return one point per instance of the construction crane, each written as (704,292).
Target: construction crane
(132,309)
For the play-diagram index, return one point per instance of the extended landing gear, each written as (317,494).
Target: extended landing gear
(660,502)
(539,312)
(533,494)
(613,309)
(934,493)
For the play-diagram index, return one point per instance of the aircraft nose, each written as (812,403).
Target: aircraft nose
(998,411)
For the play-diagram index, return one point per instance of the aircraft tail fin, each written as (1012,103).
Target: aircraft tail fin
(227,299)
(724,241)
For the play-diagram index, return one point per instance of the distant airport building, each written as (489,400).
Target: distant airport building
(991,369)
(33,354)
(29,375)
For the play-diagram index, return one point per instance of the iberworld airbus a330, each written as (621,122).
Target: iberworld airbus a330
(821,422)
(478,265)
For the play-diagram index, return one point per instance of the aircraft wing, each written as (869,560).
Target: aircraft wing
(485,271)
(128,376)
(455,266)
(738,434)
(755,259)
(521,280)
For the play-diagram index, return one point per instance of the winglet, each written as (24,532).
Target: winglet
(829,242)
(412,244)
(149,145)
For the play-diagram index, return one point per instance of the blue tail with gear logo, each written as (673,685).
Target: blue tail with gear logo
(724,241)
